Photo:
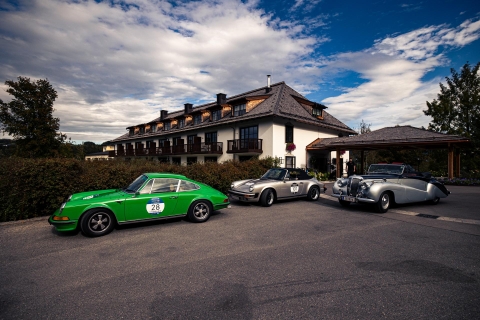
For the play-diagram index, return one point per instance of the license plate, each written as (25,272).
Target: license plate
(348,198)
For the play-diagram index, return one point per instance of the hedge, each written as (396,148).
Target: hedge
(37,187)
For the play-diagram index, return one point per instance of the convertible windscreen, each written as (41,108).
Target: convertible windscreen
(274,174)
(386,168)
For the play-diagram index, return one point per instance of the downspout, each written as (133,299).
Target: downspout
(233,141)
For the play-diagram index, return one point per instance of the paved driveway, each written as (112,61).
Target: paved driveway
(294,260)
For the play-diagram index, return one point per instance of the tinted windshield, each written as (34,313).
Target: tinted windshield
(274,174)
(135,185)
(386,168)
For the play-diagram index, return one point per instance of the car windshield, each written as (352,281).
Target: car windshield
(274,174)
(386,168)
(135,185)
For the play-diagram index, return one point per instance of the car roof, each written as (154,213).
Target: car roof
(164,175)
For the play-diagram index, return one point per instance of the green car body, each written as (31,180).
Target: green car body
(152,196)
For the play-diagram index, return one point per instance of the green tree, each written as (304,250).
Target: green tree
(28,117)
(457,111)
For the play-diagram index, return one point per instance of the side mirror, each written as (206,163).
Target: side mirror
(286,179)
(135,194)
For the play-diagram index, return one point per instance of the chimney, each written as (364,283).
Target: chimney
(268,84)
(221,99)
(188,108)
(163,114)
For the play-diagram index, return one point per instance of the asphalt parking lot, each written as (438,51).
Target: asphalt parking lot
(294,260)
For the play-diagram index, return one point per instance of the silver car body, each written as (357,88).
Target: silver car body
(284,183)
(400,181)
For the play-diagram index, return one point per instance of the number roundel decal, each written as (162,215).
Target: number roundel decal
(155,206)
(294,188)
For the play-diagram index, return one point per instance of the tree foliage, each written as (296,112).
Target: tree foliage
(457,110)
(457,107)
(28,117)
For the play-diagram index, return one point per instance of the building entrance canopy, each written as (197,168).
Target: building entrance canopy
(406,137)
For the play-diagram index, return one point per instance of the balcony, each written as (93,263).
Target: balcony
(244,146)
(201,148)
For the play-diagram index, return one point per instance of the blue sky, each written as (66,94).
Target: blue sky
(117,63)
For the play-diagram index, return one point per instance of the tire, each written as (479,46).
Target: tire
(435,201)
(267,198)
(313,193)
(344,203)
(199,211)
(97,222)
(384,202)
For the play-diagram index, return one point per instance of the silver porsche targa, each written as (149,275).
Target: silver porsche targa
(385,184)
(275,184)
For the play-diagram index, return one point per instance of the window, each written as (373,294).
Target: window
(288,134)
(216,115)
(317,112)
(290,162)
(210,137)
(210,159)
(249,138)
(142,130)
(197,119)
(153,128)
(131,132)
(176,160)
(166,126)
(240,109)
(176,141)
(249,133)
(191,139)
(164,185)
(191,160)
(161,142)
(187,186)
(181,123)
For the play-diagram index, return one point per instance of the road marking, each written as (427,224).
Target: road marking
(420,215)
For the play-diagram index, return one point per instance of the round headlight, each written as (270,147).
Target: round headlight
(250,189)
(232,186)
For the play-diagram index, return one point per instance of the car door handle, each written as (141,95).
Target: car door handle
(173,197)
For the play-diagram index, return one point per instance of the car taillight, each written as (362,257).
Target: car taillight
(225,200)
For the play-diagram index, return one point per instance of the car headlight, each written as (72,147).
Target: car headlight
(340,183)
(232,186)
(366,185)
(61,207)
(250,189)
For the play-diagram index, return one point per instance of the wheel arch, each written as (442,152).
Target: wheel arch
(95,207)
(269,188)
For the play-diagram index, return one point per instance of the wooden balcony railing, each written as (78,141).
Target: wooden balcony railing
(244,146)
(202,148)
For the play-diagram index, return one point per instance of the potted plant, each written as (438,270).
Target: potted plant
(290,147)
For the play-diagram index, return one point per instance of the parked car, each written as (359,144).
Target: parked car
(276,184)
(152,196)
(385,184)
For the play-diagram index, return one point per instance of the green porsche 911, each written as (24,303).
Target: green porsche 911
(152,196)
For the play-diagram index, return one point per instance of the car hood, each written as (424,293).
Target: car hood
(244,185)
(98,195)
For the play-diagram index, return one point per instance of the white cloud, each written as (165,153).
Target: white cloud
(115,66)
(393,92)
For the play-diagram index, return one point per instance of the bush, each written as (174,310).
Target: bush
(37,187)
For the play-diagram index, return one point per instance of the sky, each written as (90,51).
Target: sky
(118,63)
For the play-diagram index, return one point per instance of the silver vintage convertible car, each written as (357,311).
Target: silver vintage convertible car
(275,184)
(385,184)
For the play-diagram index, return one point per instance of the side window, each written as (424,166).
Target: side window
(147,188)
(187,186)
(165,185)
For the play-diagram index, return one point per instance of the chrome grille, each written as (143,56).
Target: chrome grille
(352,186)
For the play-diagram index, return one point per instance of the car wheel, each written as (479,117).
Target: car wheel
(199,211)
(384,203)
(313,193)
(96,223)
(267,197)
(344,203)
(435,201)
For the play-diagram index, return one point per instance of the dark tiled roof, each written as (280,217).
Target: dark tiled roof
(279,102)
(399,135)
